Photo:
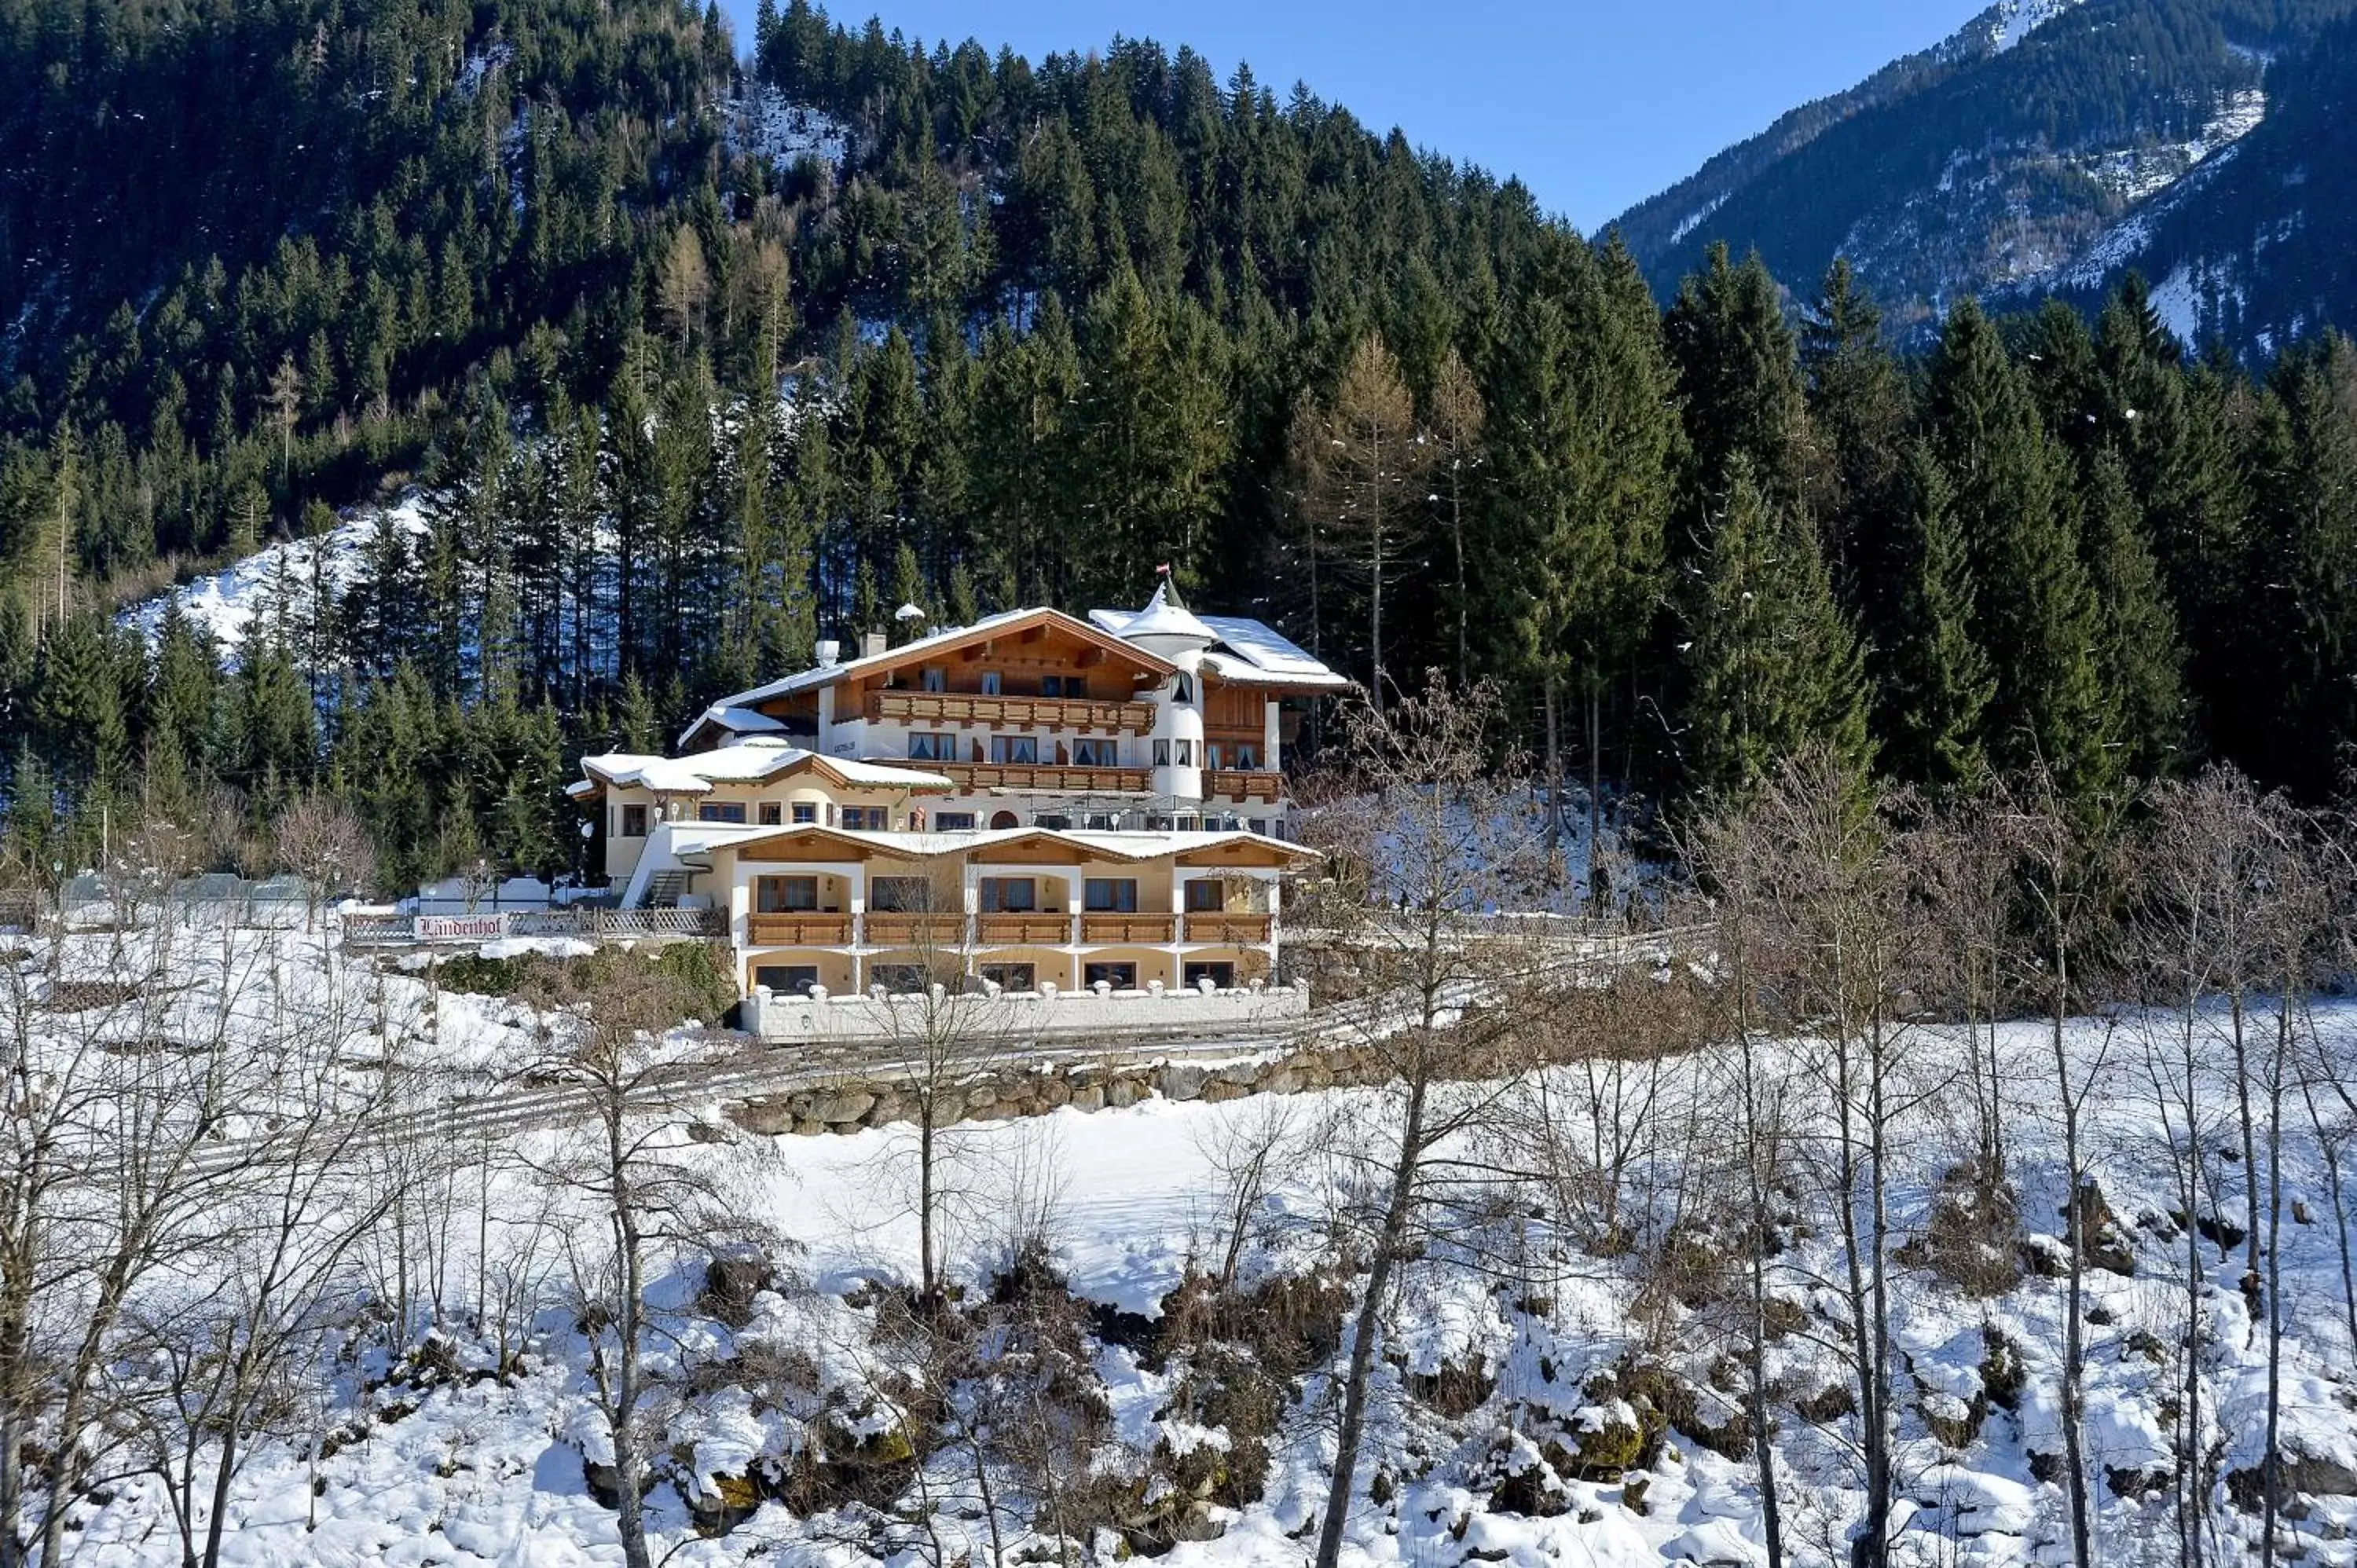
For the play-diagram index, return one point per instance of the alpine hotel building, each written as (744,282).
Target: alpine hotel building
(1036,802)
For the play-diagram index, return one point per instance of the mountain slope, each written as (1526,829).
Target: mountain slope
(2000,156)
(2258,249)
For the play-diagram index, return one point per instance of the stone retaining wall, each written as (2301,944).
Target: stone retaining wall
(874,1101)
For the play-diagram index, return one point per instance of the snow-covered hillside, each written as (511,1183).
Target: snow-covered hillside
(768,125)
(2011,21)
(286,577)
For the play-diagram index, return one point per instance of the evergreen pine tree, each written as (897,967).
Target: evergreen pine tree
(642,726)
(1936,681)
(1858,405)
(2015,502)
(1586,443)
(1773,667)
(182,692)
(2142,662)
(1740,377)
(77,708)
(2308,497)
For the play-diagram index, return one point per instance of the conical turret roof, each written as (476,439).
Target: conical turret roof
(1165,617)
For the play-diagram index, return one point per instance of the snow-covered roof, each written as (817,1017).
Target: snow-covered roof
(742,721)
(1164,616)
(684,839)
(885,776)
(1247,650)
(748,763)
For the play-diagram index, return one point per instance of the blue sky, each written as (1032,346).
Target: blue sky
(1595,103)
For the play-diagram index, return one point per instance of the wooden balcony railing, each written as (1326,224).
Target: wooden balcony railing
(1228,927)
(900,930)
(1010,713)
(1105,929)
(1227,784)
(1042,780)
(1024,931)
(800,930)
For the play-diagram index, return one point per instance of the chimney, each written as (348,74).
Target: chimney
(829,654)
(872,643)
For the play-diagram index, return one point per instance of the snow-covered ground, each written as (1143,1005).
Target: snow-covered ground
(1514,1338)
(765,123)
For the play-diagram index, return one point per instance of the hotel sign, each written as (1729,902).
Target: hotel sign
(458,928)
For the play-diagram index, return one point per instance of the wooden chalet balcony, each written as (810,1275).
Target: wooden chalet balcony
(799,930)
(900,931)
(1024,931)
(1035,778)
(1104,931)
(1010,713)
(1228,784)
(1228,928)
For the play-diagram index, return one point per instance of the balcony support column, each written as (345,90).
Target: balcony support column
(855,879)
(970,885)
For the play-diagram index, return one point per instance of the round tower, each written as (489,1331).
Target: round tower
(1167,629)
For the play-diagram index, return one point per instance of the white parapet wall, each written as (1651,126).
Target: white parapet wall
(1018,1016)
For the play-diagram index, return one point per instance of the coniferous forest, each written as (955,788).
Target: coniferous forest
(678,407)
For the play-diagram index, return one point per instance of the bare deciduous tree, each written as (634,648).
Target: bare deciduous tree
(647,1197)
(324,842)
(683,282)
(1824,880)
(1430,840)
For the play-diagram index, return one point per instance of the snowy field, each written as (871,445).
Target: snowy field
(1501,1339)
